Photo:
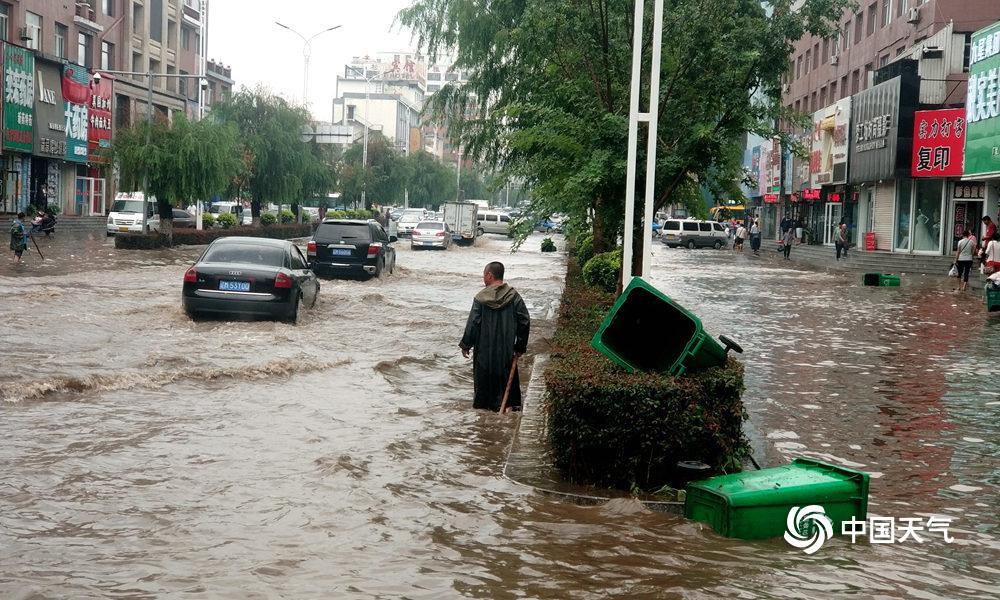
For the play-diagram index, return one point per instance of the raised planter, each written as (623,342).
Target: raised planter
(193,237)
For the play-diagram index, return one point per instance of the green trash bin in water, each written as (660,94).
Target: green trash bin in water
(880,280)
(647,331)
(755,505)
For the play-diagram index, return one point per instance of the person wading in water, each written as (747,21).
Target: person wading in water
(497,334)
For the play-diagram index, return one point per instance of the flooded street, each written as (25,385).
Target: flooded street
(145,455)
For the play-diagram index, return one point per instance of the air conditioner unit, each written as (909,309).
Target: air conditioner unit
(24,33)
(835,60)
(914,15)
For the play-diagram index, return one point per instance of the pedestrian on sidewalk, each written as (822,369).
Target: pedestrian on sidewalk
(741,235)
(755,237)
(991,231)
(842,240)
(991,255)
(497,333)
(18,237)
(963,259)
(787,240)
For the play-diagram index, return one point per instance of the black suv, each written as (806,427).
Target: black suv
(351,247)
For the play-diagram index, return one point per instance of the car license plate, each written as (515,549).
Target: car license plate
(125,229)
(234,286)
(340,252)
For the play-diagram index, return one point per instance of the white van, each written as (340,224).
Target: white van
(125,215)
(693,234)
(217,208)
(492,221)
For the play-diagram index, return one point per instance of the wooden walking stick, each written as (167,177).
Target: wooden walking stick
(510,382)
(36,246)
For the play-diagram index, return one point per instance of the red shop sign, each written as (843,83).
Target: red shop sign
(938,143)
(810,195)
(834,198)
(770,198)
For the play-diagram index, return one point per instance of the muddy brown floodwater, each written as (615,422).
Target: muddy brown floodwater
(145,455)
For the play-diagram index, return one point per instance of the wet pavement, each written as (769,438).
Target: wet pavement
(146,455)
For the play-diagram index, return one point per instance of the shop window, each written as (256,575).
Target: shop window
(927,215)
(4,20)
(903,205)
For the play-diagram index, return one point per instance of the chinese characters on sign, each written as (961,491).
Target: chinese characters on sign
(982,105)
(100,119)
(871,134)
(18,102)
(76,91)
(938,143)
(973,191)
(884,530)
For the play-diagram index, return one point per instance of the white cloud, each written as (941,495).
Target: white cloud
(242,34)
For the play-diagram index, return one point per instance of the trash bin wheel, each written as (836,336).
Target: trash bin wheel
(730,344)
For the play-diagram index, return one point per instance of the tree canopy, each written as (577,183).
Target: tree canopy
(547,98)
(183,161)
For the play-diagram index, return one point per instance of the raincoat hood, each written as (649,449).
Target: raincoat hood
(496,296)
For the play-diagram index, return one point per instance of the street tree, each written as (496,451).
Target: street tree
(383,179)
(547,97)
(275,162)
(430,182)
(182,162)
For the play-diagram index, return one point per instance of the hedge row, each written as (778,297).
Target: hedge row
(193,237)
(611,428)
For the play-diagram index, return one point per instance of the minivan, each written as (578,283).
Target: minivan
(694,234)
(493,222)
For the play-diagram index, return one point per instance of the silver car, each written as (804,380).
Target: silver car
(431,234)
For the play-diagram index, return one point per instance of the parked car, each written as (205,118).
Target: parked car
(408,220)
(350,246)
(693,234)
(546,226)
(431,234)
(182,219)
(250,276)
(243,216)
(125,215)
(493,222)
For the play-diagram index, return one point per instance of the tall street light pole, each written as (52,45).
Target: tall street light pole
(306,54)
(364,150)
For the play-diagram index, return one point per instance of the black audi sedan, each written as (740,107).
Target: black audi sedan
(347,246)
(250,276)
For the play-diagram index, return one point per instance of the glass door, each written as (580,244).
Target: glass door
(82,195)
(834,212)
(97,197)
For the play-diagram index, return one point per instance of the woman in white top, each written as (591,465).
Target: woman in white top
(963,259)
(991,256)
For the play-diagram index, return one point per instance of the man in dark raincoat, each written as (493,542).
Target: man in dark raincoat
(497,333)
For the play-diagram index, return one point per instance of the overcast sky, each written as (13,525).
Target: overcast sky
(242,34)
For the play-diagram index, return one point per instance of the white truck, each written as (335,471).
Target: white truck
(461,219)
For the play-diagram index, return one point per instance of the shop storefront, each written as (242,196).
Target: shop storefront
(887,203)
(982,139)
(828,171)
(91,180)
(18,130)
(938,152)
(48,161)
(88,198)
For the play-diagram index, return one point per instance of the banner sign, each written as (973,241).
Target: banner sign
(830,147)
(76,91)
(938,143)
(100,119)
(50,122)
(18,98)
(982,104)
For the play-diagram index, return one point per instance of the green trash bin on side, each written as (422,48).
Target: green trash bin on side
(880,280)
(647,331)
(755,505)
(992,297)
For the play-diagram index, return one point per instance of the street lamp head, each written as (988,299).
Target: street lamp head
(204,83)
(97,77)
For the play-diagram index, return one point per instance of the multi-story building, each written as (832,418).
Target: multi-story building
(865,89)
(220,82)
(385,93)
(162,37)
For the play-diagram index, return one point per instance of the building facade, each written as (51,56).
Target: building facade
(43,38)
(882,159)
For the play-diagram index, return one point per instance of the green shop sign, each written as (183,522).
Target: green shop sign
(982,107)
(18,98)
